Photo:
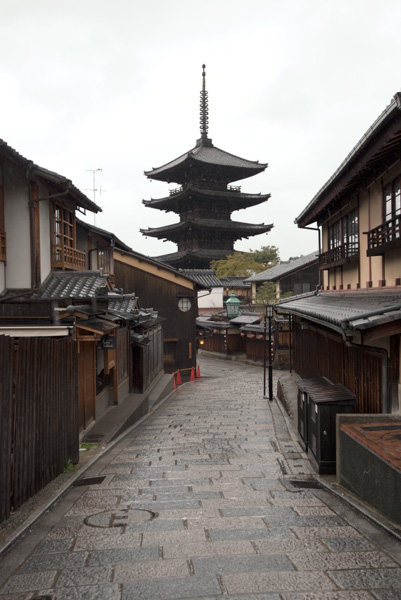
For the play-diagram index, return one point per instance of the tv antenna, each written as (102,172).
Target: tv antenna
(94,188)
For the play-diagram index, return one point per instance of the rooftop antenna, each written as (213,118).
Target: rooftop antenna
(204,107)
(93,189)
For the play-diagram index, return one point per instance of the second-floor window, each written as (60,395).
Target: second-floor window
(345,233)
(63,234)
(392,200)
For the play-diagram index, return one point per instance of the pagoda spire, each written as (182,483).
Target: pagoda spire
(204,107)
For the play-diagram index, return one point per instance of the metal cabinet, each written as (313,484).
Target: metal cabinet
(318,403)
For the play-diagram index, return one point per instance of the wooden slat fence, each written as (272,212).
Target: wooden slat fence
(38,415)
(318,353)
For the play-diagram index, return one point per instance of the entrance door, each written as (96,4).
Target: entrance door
(86,384)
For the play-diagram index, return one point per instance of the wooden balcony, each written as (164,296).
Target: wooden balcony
(384,237)
(3,253)
(68,258)
(339,256)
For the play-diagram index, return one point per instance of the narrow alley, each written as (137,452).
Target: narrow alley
(209,497)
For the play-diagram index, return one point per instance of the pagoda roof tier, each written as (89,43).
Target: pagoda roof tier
(235,229)
(233,199)
(208,162)
(199,258)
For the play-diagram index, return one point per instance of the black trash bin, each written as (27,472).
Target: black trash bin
(323,406)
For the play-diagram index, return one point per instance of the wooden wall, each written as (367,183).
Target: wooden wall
(179,327)
(38,415)
(319,352)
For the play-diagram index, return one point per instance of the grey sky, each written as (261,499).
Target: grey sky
(90,84)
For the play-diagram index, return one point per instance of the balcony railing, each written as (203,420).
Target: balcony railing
(3,253)
(68,258)
(175,191)
(384,237)
(339,255)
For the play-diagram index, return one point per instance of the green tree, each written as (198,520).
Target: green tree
(246,264)
(240,264)
(265,293)
(268,256)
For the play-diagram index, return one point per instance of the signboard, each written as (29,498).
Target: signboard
(108,342)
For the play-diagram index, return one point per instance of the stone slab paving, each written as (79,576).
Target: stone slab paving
(197,503)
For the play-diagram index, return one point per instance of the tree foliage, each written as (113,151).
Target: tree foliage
(246,264)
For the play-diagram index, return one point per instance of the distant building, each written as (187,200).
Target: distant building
(204,201)
(293,277)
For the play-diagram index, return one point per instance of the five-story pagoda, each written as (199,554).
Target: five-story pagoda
(205,200)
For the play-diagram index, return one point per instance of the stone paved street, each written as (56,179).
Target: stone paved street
(206,498)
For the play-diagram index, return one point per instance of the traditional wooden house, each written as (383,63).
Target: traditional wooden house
(205,200)
(293,277)
(350,331)
(172,295)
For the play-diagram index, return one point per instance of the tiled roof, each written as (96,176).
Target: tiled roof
(103,233)
(367,152)
(211,155)
(205,277)
(122,305)
(59,181)
(71,284)
(285,268)
(204,253)
(246,319)
(224,225)
(235,282)
(351,310)
(228,197)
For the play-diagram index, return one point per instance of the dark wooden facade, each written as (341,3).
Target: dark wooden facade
(162,289)
(321,352)
(38,415)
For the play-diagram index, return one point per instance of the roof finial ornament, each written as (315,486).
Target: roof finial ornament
(204,108)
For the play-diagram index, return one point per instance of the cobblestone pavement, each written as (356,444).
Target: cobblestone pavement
(204,499)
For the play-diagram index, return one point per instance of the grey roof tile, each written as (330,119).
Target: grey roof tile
(285,268)
(352,310)
(206,277)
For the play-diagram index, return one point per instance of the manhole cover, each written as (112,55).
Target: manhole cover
(119,518)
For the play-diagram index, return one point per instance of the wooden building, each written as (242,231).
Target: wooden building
(293,277)
(350,330)
(172,295)
(204,200)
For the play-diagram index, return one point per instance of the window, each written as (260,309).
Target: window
(184,304)
(392,204)
(345,233)
(350,231)
(63,231)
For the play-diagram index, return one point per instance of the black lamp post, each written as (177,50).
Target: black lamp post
(268,315)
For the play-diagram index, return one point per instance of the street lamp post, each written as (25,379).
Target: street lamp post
(268,316)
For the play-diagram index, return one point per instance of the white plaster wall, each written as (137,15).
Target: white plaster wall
(2,277)
(16,217)
(45,239)
(212,300)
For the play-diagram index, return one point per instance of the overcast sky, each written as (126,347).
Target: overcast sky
(114,85)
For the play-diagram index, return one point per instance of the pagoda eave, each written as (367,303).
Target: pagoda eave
(233,200)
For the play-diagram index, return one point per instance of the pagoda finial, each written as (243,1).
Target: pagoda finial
(204,108)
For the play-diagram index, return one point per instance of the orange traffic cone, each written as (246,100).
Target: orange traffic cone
(192,378)
(178,378)
(174,381)
(198,372)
